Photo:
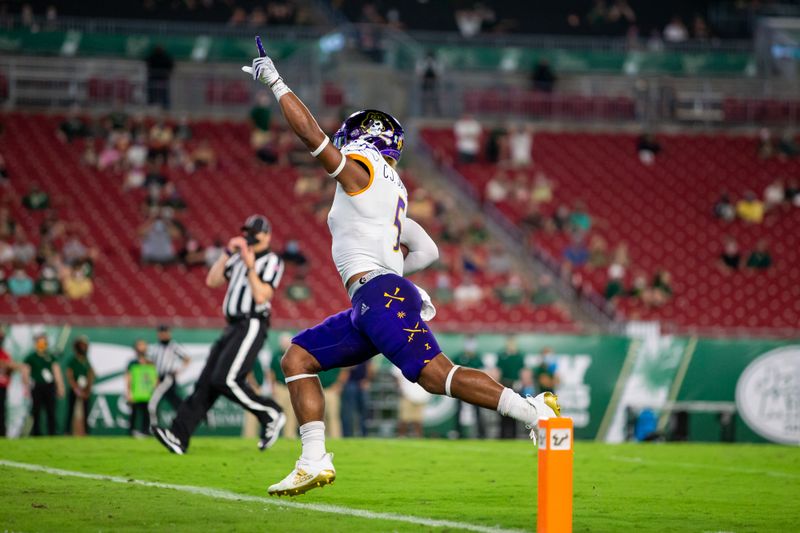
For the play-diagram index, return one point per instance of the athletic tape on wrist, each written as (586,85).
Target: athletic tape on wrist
(289,379)
(449,379)
(279,88)
(339,168)
(321,147)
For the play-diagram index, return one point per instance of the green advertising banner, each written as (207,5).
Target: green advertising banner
(601,379)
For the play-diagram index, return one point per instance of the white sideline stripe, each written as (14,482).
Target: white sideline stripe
(735,470)
(233,496)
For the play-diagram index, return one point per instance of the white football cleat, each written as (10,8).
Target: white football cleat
(306,476)
(546,405)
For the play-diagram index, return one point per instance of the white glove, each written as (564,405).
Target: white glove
(263,70)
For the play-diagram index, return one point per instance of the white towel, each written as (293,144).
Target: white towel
(428,311)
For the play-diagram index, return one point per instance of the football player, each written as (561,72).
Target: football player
(389,314)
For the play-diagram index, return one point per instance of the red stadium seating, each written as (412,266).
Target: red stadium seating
(127,292)
(664,213)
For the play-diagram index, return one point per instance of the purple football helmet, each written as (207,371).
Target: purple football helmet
(376,127)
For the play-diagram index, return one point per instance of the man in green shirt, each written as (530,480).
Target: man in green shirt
(760,259)
(141,379)
(80,378)
(510,363)
(47,384)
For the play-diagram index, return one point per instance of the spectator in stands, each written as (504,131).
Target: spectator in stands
(647,147)
(298,290)
(676,31)
(468,138)
(159,140)
(543,77)
(760,258)
(192,254)
(470,21)
(47,384)
(89,156)
(73,127)
(512,292)
(580,222)
(20,283)
(724,209)
(510,362)
(545,292)
(792,192)
(7,224)
(731,257)
(80,378)
(614,285)
(157,240)
(204,156)
(36,199)
(598,251)
(661,289)
(774,195)
(787,145)
(520,145)
(3,280)
(74,251)
(655,43)
(76,284)
(4,180)
(750,208)
(532,220)
(159,70)
(499,261)
(48,283)
(468,292)
(429,70)
(212,252)
(561,217)
(443,291)
(293,254)
(476,230)
(24,250)
(542,191)
(497,188)
(183,130)
(766,148)
(497,145)
(576,254)
(6,254)
(700,28)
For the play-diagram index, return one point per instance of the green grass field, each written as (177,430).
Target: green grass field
(487,484)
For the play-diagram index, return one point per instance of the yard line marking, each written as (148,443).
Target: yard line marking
(736,470)
(233,496)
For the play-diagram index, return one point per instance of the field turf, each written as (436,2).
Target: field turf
(485,485)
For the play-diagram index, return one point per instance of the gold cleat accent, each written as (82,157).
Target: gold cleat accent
(325,477)
(551,401)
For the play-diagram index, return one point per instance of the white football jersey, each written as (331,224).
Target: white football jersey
(366,225)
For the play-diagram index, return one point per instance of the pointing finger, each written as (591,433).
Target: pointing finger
(261,51)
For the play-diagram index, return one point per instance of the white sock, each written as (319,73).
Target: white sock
(312,435)
(513,405)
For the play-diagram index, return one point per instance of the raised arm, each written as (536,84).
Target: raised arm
(422,251)
(350,174)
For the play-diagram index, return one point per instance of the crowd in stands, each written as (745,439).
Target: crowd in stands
(244,13)
(643,23)
(54,262)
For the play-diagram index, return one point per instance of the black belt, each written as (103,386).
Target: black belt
(243,318)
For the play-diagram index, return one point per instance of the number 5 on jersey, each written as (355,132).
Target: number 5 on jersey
(401,206)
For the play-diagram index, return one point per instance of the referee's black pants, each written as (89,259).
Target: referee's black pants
(230,361)
(167,389)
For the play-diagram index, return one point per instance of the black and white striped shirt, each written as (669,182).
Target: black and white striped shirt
(239,301)
(167,357)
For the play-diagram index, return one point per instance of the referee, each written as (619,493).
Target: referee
(252,272)
(169,357)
